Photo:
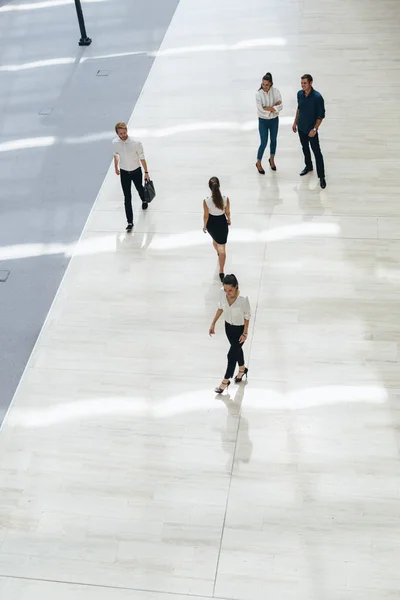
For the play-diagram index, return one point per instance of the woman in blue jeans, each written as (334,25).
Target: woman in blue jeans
(269,105)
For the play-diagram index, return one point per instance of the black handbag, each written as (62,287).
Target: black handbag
(149,191)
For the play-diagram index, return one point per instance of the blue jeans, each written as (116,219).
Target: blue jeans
(265,126)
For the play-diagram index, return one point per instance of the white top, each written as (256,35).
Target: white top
(238,312)
(212,209)
(268,99)
(130,153)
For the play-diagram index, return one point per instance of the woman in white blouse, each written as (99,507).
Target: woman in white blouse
(216,218)
(236,309)
(269,105)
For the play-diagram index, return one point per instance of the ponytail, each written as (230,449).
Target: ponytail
(213,184)
(267,77)
(231,280)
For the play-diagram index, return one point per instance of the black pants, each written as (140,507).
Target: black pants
(235,354)
(307,141)
(126,178)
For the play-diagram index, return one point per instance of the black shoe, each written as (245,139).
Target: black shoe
(243,373)
(221,276)
(262,172)
(273,168)
(306,170)
(144,205)
(322,182)
(222,387)
(129,227)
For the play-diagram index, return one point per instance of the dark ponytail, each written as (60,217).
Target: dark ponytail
(213,184)
(267,77)
(231,280)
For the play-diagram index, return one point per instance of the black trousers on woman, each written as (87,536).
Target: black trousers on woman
(126,182)
(235,354)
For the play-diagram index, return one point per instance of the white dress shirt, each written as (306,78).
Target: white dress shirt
(212,209)
(268,99)
(130,153)
(237,312)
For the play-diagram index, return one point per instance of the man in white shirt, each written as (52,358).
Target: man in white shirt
(128,161)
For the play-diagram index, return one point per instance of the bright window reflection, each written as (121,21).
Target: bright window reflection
(261,400)
(205,126)
(51,62)
(39,5)
(106,243)
(278,41)
(24,144)
(256,43)
(86,247)
(156,53)
(115,55)
(90,137)
(196,238)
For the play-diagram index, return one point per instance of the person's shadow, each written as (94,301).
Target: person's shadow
(309,198)
(128,241)
(269,193)
(132,248)
(235,437)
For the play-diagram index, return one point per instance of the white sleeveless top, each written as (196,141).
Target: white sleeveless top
(212,209)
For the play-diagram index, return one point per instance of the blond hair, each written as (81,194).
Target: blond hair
(120,125)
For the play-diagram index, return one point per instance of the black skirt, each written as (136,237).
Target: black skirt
(217,227)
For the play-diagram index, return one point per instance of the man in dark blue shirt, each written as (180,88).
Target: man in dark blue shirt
(309,115)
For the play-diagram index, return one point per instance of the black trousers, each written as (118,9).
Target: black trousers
(126,182)
(307,141)
(235,354)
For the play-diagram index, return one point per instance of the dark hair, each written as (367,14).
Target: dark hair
(308,77)
(231,280)
(213,184)
(267,77)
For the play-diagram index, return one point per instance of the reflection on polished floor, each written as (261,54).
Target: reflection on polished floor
(122,476)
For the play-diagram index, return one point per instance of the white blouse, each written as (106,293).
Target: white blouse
(237,312)
(212,209)
(268,99)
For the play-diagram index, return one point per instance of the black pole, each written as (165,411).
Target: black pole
(85,40)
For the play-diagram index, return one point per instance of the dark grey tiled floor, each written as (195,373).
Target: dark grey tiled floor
(52,165)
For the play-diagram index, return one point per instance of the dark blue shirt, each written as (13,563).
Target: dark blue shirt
(311,108)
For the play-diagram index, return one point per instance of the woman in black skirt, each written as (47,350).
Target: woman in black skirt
(217,217)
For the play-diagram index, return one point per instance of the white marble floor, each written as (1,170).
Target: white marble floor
(121,474)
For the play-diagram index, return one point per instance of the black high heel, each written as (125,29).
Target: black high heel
(221,389)
(273,168)
(244,373)
(262,172)
(221,276)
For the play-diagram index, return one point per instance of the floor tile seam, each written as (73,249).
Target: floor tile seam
(226,504)
(236,438)
(114,587)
